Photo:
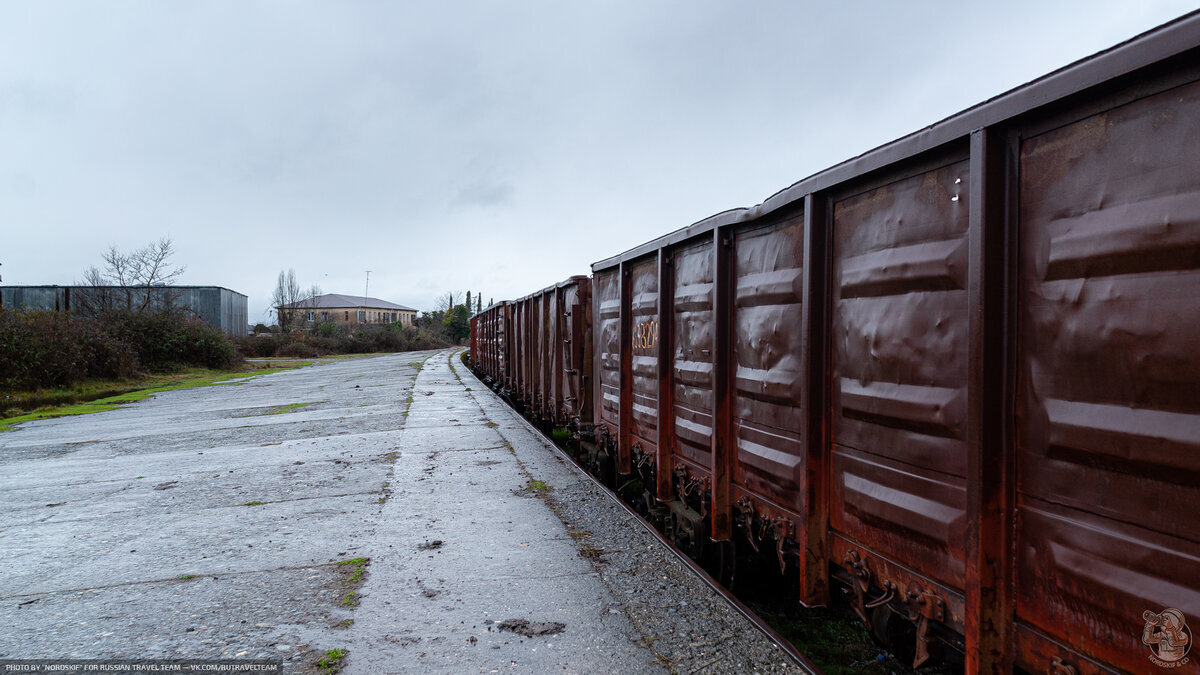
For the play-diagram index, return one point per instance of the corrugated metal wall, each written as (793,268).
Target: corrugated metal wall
(216,306)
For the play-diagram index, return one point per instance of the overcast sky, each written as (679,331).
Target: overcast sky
(446,146)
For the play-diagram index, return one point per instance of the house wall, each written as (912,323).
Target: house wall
(350,316)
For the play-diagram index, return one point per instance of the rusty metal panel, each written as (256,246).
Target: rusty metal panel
(1108,408)
(768,422)
(606,308)
(550,352)
(526,342)
(545,353)
(518,350)
(643,311)
(474,340)
(899,335)
(692,352)
(576,317)
(537,324)
(502,343)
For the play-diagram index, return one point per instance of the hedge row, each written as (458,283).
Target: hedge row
(333,339)
(49,349)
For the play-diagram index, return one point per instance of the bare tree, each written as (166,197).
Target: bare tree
(284,298)
(289,300)
(127,279)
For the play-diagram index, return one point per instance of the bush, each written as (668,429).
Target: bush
(332,338)
(49,349)
(259,346)
(165,341)
(329,329)
(298,350)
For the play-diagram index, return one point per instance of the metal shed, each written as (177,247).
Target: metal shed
(219,307)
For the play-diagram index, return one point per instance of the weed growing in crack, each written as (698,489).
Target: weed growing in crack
(254,503)
(331,662)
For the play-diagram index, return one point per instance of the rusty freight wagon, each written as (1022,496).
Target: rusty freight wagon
(958,375)
(542,358)
(489,344)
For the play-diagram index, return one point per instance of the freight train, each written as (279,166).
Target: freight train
(954,381)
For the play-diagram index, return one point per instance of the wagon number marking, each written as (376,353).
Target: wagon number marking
(645,335)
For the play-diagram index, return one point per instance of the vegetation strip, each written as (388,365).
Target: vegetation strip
(279,410)
(187,380)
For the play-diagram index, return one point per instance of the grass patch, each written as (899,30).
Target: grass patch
(560,436)
(102,396)
(344,624)
(491,425)
(350,599)
(185,577)
(332,661)
(254,503)
(358,568)
(281,409)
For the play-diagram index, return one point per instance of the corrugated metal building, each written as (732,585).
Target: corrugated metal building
(216,306)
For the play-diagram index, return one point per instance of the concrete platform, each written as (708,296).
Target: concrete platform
(198,524)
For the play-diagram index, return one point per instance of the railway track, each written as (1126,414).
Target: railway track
(795,655)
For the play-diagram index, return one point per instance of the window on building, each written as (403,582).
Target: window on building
(308,316)
(324,316)
(347,315)
(362,316)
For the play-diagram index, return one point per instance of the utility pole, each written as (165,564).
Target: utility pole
(368,286)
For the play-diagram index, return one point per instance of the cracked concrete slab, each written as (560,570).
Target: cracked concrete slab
(127,535)
(194,525)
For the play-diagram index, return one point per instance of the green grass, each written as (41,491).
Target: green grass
(358,569)
(350,599)
(103,399)
(185,577)
(331,660)
(279,410)
(254,503)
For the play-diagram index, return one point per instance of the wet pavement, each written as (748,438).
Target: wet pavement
(388,506)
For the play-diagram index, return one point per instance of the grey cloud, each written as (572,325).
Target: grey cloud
(537,136)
